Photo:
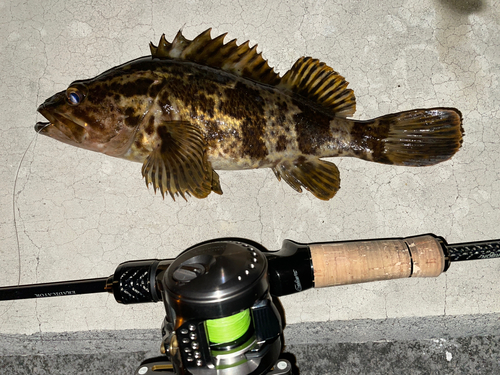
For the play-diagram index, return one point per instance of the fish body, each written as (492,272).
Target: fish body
(194,107)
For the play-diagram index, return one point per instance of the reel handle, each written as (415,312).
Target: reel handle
(341,263)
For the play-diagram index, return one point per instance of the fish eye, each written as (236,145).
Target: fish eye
(74,96)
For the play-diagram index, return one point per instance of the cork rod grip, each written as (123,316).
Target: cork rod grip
(355,262)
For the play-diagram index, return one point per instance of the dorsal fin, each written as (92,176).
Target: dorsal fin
(308,77)
(240,60)
(319,83)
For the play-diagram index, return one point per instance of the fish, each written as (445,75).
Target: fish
(196,106)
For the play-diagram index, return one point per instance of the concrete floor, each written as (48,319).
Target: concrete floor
(479,355)
(66,213)
(370,347)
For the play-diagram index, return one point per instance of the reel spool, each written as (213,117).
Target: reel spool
(220,315)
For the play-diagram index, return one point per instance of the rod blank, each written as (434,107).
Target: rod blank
(63,288)
(474,250)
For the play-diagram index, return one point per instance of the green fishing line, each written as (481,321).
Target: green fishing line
(228,329)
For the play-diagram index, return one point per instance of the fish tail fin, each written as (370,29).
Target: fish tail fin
(418,137)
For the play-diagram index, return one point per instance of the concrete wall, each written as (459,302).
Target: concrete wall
(67,213)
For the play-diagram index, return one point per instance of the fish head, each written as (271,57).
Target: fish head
(90,115)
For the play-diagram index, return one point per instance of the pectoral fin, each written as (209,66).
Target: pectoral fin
(319,177)
(178,164)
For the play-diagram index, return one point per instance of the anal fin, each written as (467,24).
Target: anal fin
(178,164)
(320,177)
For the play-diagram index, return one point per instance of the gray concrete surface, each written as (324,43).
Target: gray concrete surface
(462,356)
(451,345)
(67,213)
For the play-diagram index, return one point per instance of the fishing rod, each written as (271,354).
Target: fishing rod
(223,315)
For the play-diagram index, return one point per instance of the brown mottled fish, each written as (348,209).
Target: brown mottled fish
(196,106)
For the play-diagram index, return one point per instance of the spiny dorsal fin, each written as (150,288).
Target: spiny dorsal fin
(240,60)
(319,83)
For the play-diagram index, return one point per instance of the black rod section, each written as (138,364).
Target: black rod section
(62,288)
(474,250)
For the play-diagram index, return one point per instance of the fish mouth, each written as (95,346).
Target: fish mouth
(60,127)
(40,126)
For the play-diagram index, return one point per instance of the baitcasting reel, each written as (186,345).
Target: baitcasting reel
(223,316)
